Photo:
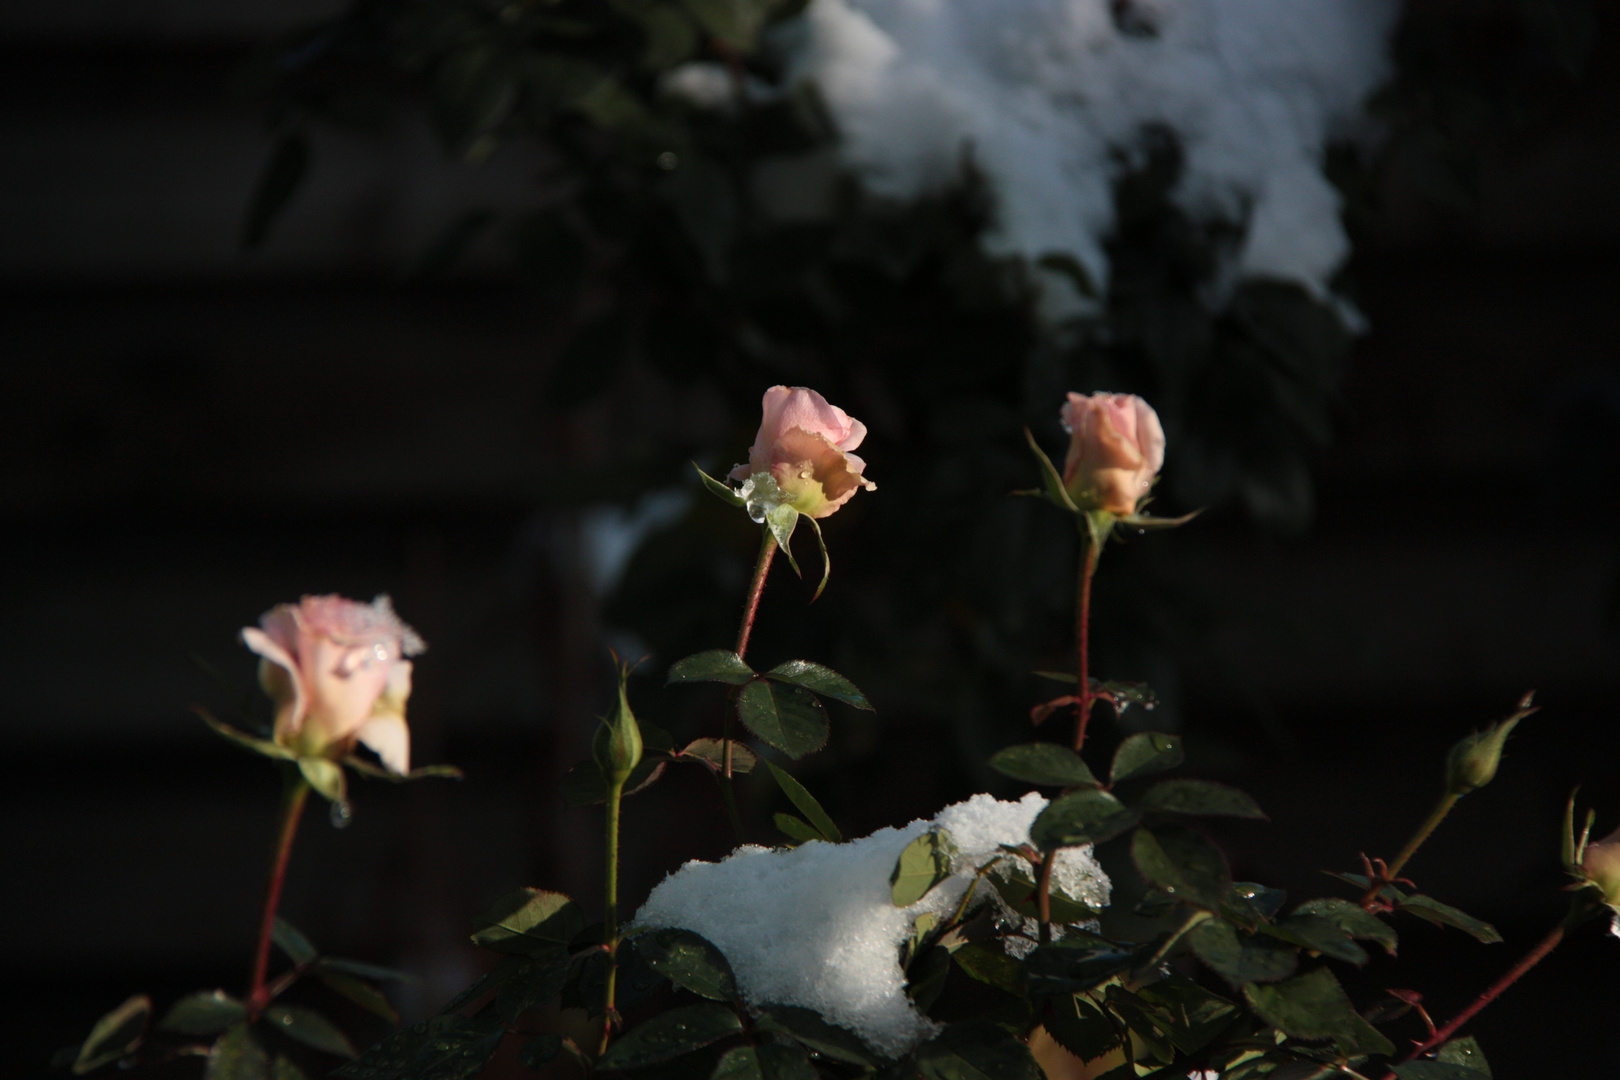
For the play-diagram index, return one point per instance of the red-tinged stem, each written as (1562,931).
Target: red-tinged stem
(1043,896)
(1530,960)
(1084,698)
(294,793)
(1374,887)
(767,549)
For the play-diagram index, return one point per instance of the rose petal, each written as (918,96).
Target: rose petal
(388,735)
(287,689)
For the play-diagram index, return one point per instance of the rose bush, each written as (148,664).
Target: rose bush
(1116,448)
(801,456)
(337,672)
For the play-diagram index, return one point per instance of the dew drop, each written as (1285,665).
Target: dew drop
(342,815)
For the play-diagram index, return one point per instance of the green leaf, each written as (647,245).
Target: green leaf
(1043,763)
(690,960)
(535,982)
(492,979)
(236,1055)
(1143,754)
(711,665)
(712,752)
(117,1033)
(326,777)
(1366,1040)
(976,1050)
(360,992)
(826,559)
(1182,864)
(1017,888)
(722,491)
(283,1069)
(1241,958)
(362,969)
(1080,1027)
(290,941)
(669,1035)
(243,739)
(540,1050)
(1088,816)
(820,680)
(1308,1006)
(1190,1016)
(1249,903)
(1051,480)
(1427,907)
(815,1034)
(806,803)
(447,1047)
(1465,1051)
(529,922)
(767,1061)
(923,863)
(583,784)
(796,828)
(780,522)
(282,174)
(310,1028)
(1352,919)
(986,962)
(1073,965)
(783,715)
(207,1012)
(1199,797)
(1319,934)
(1438,1070)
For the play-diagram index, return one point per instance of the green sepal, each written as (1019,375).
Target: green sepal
(806,803)
(1051,480)
(1044,763)
(722,491)
(690,960)
(1473,761)
(1183,864)
(421,772)
(618,746)
(783,715)
(669,1035)
(310,1028)
(1200,798)
(1097,526)
(711,665)
(529,922)
(1143,754)
(243,739)
(780,522)
(1147,521)
(116,1034)
(1309,1006)
(923,863)
(820,679)
(206,1012)
(326,777)
(826,560)
(1087,816)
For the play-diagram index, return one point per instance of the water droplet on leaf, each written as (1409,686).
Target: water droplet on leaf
(341,814)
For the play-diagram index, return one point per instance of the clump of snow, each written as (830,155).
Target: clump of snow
(816,926)
(1050,100)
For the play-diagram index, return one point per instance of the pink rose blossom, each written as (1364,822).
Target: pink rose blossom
(801,456)
(1116,447)
(337,672)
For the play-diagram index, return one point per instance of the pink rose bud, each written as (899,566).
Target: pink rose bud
(1116,448)
(337,672)
(801,458)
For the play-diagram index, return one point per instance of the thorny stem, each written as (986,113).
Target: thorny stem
(767,549)
(1424,831)
(610,912)
(294,792)
(1530,960)
(1043,895)
(1083,696)
(756,589)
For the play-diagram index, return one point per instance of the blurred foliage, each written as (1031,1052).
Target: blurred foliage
(720,245)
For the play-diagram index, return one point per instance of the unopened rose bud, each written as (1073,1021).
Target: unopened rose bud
(801,456)
(1472,762)
(617,749)
(1116,448)
(337,672)
(1600,865)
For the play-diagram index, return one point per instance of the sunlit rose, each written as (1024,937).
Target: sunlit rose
(337,672)
(1116,448)
(801,456)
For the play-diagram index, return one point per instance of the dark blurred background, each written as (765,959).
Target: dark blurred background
(468,352)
